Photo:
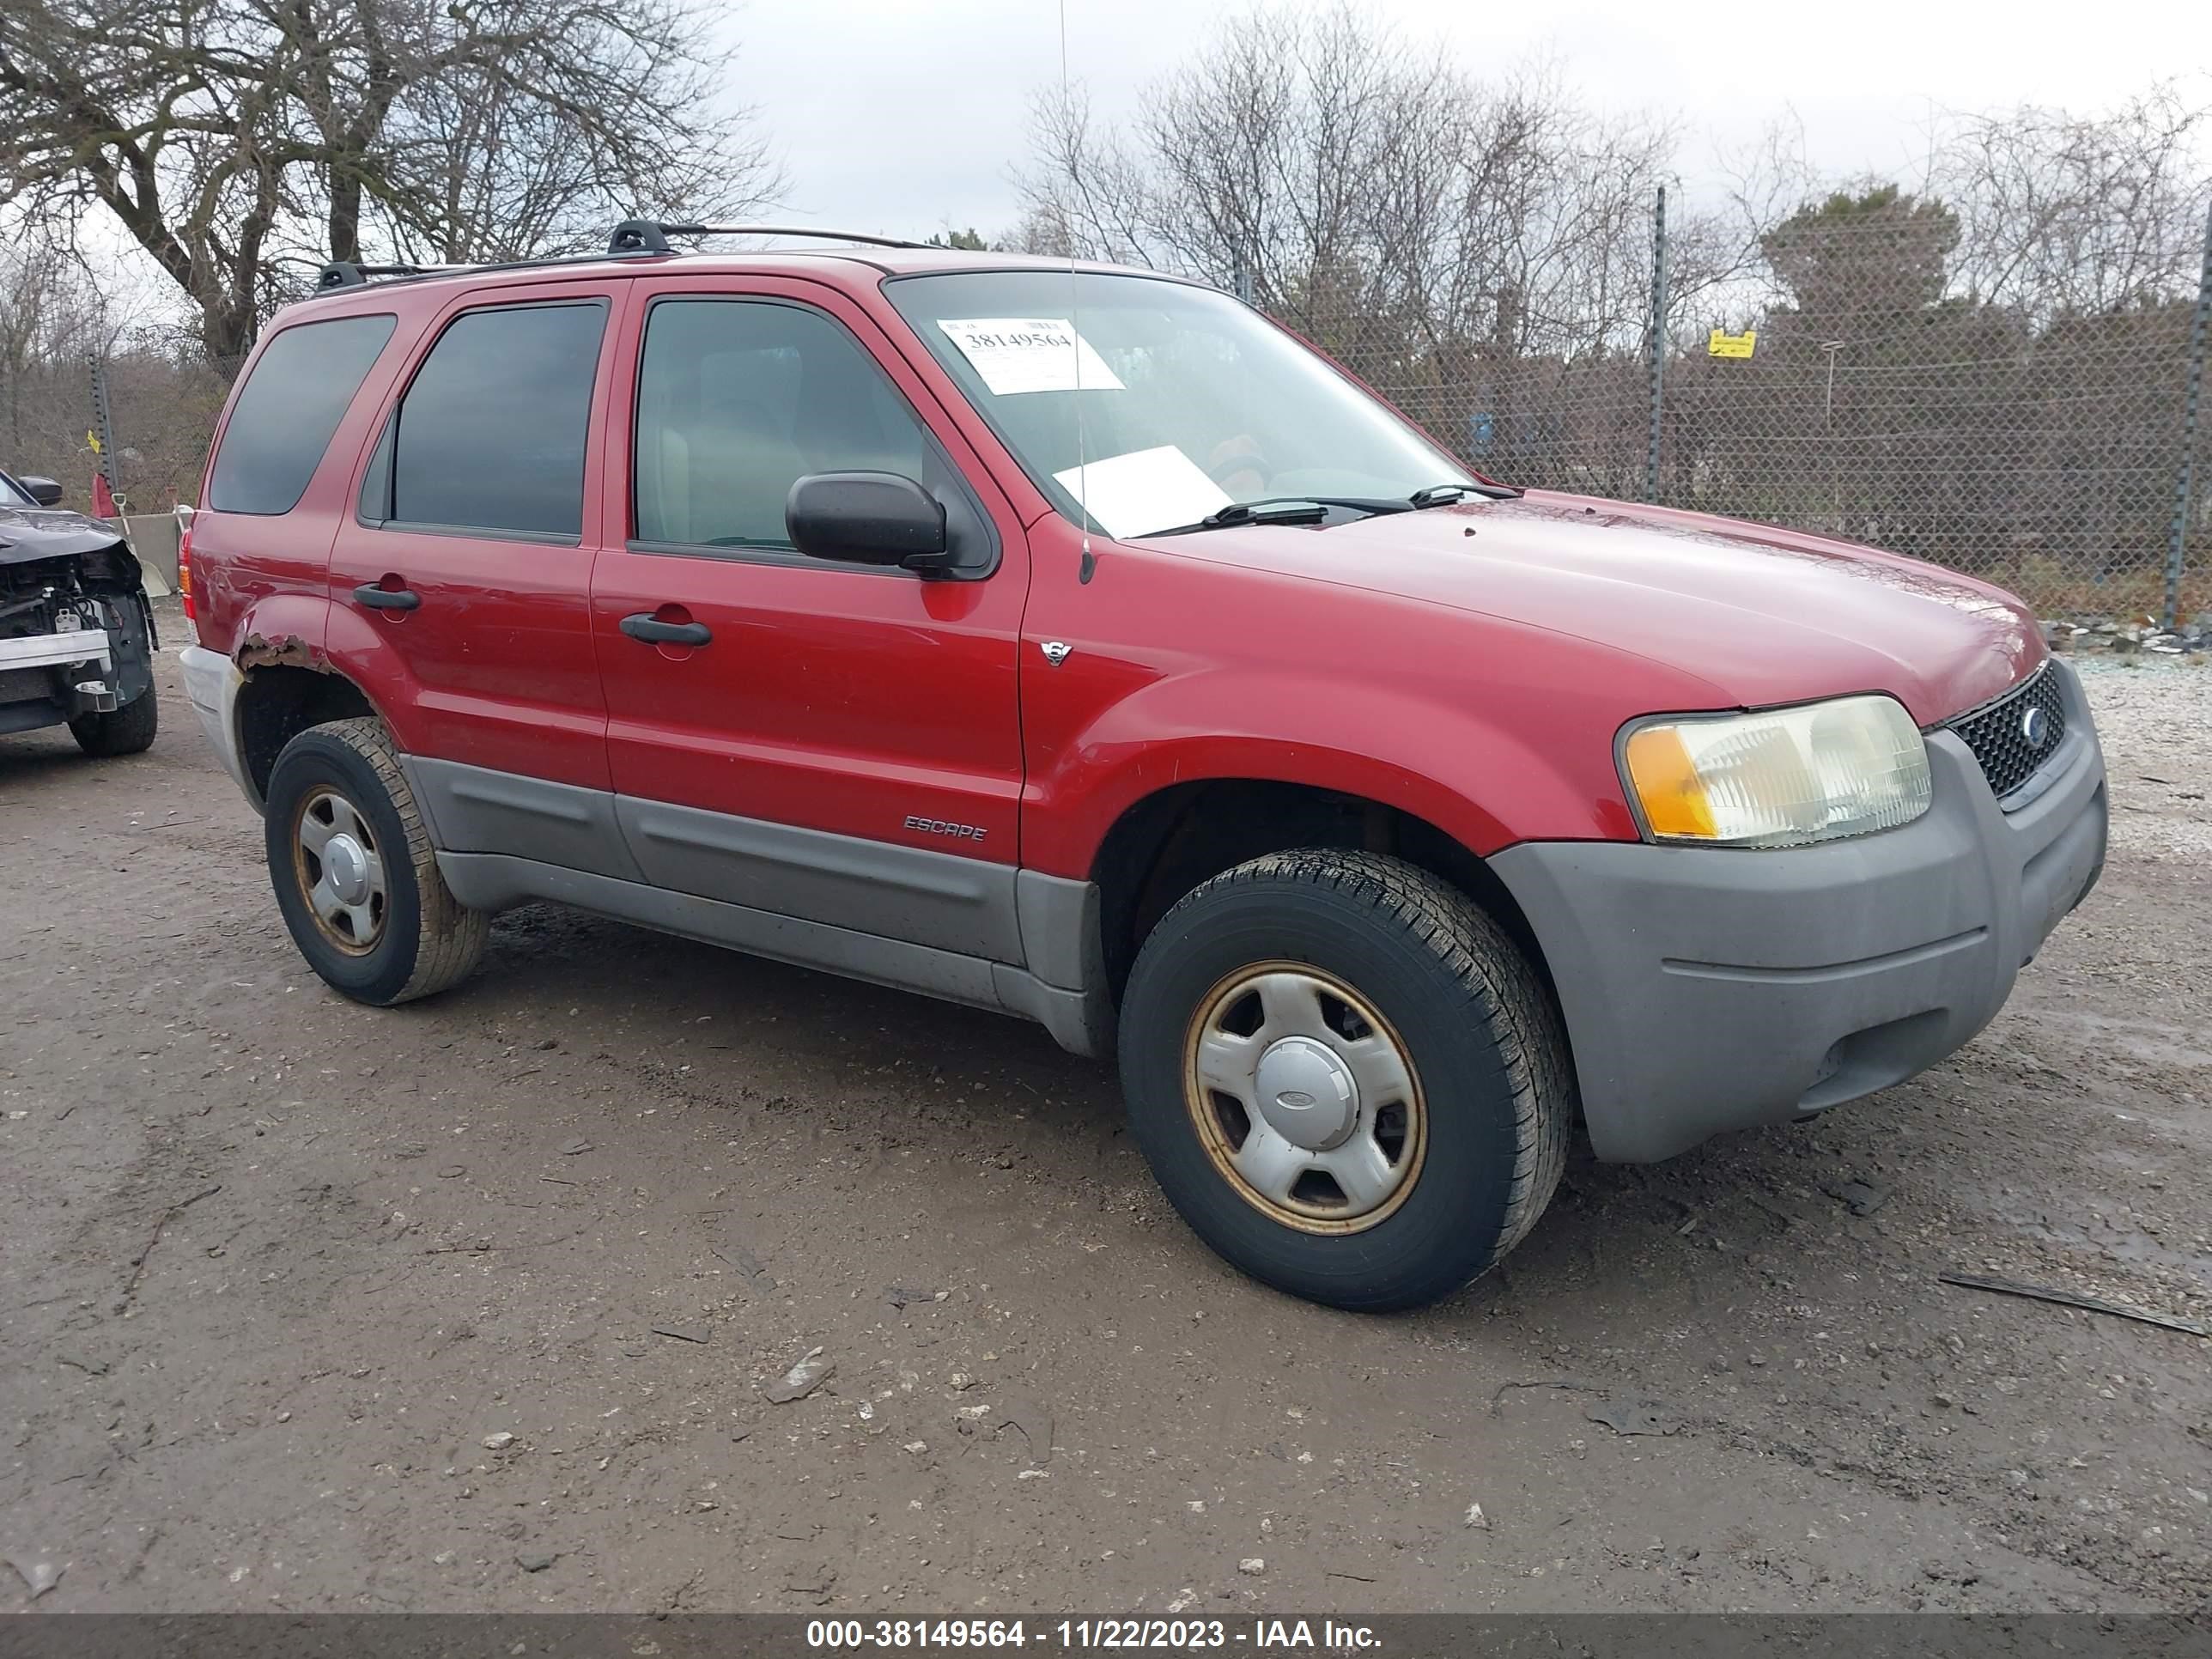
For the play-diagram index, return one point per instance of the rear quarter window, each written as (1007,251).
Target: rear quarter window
(289,406)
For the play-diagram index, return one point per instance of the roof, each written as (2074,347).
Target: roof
(890,259)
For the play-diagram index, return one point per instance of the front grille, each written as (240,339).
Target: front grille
(1997,732)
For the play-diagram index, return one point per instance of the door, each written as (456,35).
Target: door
(839,743)
(465,574)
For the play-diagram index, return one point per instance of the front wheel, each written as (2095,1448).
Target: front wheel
(1346,1078)
(355,875)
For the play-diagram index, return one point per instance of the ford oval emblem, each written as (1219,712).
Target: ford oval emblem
(1296,1099)
(2035,727)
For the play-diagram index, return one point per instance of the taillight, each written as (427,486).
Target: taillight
(184,570)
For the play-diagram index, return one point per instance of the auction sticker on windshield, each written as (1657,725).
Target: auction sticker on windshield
(1030,354)
(1145,490)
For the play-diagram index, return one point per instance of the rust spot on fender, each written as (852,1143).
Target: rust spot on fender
(285,651)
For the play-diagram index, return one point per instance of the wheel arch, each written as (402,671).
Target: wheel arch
(302,665)
(1171,841)
(277,701)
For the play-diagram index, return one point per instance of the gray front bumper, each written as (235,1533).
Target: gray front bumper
(1708,988)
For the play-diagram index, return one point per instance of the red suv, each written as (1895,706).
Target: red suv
(1075,642)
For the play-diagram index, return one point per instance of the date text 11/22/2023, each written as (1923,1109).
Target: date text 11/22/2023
(928,1635)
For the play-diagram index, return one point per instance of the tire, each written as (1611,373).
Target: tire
(408,937)
(1484,1091)
(127,731)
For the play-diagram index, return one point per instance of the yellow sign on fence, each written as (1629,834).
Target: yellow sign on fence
(1721,343)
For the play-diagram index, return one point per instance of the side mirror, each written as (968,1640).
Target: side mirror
(871,518)
(45,491)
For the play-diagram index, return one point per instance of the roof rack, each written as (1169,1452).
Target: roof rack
(632,237)
(345,273)
(645,236)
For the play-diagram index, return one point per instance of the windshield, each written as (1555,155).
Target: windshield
(1154,403)
(13,494)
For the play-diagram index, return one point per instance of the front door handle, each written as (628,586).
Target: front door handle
(644,625)
(377,597)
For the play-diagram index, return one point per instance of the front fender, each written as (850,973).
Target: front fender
(1464,770)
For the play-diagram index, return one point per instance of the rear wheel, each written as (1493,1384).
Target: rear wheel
(355,875)
(1346,1078)
(127,731)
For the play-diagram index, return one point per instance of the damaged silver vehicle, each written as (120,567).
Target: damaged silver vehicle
(77,634)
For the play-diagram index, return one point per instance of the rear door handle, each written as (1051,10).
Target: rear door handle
(387,599)
(644,625)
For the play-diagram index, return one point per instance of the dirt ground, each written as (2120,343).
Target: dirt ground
(279,1272)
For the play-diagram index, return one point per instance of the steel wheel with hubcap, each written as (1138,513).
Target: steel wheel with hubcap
(355,871)
(1304,1098)
(1346,1077)
(340,873)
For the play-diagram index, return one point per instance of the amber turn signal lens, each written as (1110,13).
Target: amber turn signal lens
(1667,783)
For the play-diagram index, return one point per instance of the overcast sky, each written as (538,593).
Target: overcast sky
(907,115)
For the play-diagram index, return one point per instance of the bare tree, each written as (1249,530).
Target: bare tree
(1358,182)
(2072,213)
(237,142)
(48,315)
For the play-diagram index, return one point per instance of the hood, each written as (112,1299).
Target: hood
(29,533)
(1763,616)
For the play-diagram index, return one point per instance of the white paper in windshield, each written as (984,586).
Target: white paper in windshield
(1145,490)
(1030,354)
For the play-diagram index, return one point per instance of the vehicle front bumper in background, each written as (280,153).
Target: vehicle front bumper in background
(54,650)
(211,681)
(1711,988)
(37,677)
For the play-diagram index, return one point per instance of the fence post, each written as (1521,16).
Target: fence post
(2170,615)
(105,430)
(1658,342)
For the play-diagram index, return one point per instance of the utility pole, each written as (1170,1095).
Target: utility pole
(1658,364)
(104,432)
(2170,613)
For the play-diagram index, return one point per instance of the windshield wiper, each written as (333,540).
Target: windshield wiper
(1285,509)
(1290,509)
(1444,495)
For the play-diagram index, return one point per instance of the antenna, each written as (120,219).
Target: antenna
(1075,327)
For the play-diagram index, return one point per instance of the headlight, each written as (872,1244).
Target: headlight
(1781,779)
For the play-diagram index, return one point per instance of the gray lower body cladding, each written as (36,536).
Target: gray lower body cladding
(1707,989)
(958,928)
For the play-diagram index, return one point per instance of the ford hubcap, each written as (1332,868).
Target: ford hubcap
(1304,1097)
(340,871)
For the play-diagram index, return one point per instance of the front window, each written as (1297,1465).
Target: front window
(738,399)
(12,494)
(1152,403)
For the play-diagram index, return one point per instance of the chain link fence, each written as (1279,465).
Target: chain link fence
(1844,381)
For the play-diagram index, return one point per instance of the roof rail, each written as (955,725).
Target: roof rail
(647,236)
(632,236)
(346,273)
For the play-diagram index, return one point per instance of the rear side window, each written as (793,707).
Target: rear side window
(288,410)
(490,435)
